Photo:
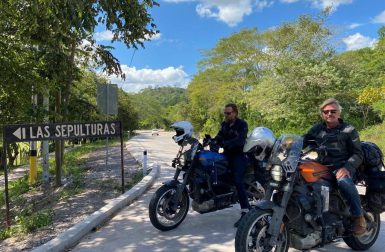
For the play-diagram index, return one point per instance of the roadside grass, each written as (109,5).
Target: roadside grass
(374,134)
(29,213)
(134,179)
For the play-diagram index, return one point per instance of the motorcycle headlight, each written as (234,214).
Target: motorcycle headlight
(276,173)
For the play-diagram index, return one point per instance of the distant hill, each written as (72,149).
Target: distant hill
(154,105)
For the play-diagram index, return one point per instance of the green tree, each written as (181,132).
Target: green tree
(126,112)
(154,106)
(277,77)
(53,32)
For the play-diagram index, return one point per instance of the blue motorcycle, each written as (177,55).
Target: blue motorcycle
(205,178)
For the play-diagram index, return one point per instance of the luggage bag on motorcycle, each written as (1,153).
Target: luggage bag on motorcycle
(374,171)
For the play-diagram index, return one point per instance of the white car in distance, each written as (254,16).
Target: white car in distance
(154,132)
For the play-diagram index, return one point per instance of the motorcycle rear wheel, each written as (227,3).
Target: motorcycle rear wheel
(366,240)
(252,233)
(160,212)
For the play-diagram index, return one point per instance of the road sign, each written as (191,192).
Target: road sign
(107,98)
(40,132)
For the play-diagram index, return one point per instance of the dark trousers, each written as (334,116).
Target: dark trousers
(238,165)
(350,193)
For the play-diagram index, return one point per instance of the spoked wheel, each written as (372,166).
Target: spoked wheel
(366,240)
(162,214)
(252,233)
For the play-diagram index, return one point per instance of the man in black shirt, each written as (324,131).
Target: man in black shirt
(232,137)
(344,158)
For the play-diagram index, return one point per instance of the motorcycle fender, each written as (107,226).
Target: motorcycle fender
(172,183)
(179,189)
(265,205)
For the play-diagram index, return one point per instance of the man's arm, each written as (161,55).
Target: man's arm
(357,155)
(310,136)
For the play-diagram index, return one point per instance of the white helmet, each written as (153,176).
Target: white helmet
(183,129)
(260,141)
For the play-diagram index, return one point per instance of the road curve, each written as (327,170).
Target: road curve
(131,230)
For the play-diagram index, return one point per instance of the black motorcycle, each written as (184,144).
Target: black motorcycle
(303,207)
(206,179)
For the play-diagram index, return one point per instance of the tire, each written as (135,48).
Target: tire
(252,232)
(367,240)
(161,216)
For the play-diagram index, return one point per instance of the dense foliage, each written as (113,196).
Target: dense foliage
(280,76)
(45,46)
(156,106)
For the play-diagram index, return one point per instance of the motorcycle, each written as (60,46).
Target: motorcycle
(303,207)
(206,179)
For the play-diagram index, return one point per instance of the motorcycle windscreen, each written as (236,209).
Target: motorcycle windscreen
(286,152)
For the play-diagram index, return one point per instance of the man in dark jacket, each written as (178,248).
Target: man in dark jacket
(344,155)
(232,137)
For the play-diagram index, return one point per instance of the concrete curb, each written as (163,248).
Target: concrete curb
(74,234)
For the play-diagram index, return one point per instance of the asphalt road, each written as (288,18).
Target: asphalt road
(131,230)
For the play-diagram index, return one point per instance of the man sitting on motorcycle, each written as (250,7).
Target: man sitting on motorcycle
(232,137)
(344,156)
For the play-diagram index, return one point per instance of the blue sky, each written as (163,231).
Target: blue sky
(189,26)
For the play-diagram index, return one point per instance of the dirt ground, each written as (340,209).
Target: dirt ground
(101,184)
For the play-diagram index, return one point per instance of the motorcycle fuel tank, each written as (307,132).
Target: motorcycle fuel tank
(210,158)
(313,171)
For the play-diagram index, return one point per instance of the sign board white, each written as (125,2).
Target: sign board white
(40,132)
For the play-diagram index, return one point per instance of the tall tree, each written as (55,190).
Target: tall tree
(56,30)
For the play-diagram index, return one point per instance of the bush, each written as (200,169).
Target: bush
(31,222)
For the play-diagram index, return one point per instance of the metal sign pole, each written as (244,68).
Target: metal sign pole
(121,154)
(107,137)
(5,146)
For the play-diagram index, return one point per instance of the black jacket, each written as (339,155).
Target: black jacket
(344,142)
(232,138)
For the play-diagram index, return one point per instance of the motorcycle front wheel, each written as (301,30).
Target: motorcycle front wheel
(252,233)
(161,213)
(366,240)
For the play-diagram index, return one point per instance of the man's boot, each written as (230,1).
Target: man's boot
(359,225)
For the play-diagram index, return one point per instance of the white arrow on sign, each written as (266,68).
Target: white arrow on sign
(19,133)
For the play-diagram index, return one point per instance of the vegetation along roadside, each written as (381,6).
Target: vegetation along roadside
(39,215)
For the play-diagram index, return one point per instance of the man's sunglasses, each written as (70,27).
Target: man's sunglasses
(333,111)
(227,113)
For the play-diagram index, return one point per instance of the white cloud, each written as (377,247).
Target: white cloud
(289,1)
(154,37)
(380,19)
(178,1)
(230,12)
(262,4)
(358,41)
(103,36)
(354,25)
(107,36)
(138,79)
(322,4)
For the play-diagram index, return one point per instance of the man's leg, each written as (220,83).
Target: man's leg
(350,193)
(239,165)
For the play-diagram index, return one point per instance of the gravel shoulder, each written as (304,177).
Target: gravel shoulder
(101,183)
